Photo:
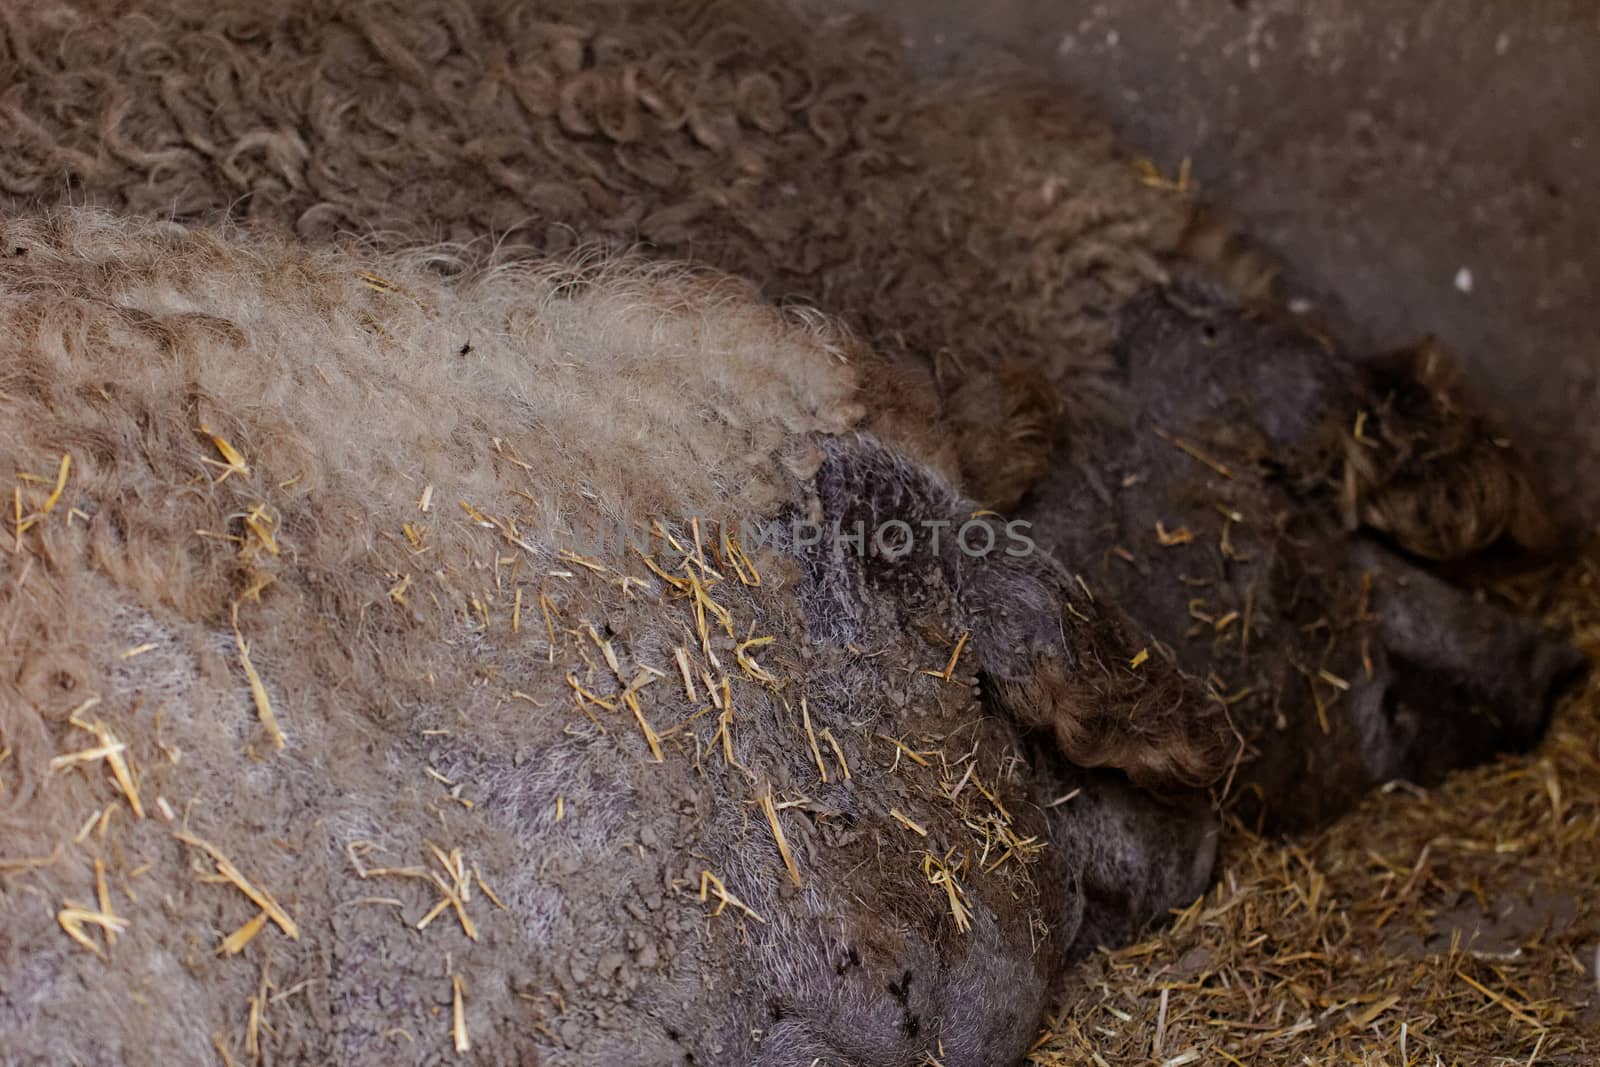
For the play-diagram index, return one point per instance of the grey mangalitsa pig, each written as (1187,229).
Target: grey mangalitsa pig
(330,739)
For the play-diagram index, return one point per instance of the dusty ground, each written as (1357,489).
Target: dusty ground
(1385,149)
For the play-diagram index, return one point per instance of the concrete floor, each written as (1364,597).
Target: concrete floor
(1422,166)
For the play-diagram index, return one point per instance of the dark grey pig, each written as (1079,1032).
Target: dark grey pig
(1270,512)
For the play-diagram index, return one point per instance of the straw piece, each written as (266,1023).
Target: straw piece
(235,942)
(777,835)
(940,875)
(1194,452)
(748,662)
(231,874)
(811,738)
(710,883)
(73,918)
(234,462)
(950,668)
(458,1015)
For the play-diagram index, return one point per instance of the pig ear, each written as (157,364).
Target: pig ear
(1213,249)
(1110,698)
(1454,503)
(1005,426)
(1431,473)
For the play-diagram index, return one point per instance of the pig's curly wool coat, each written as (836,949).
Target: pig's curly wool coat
(989,233)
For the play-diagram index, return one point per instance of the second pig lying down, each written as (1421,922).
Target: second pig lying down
(1271,512)
(331,736)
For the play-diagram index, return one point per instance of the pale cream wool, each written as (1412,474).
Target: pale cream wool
(633,389)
